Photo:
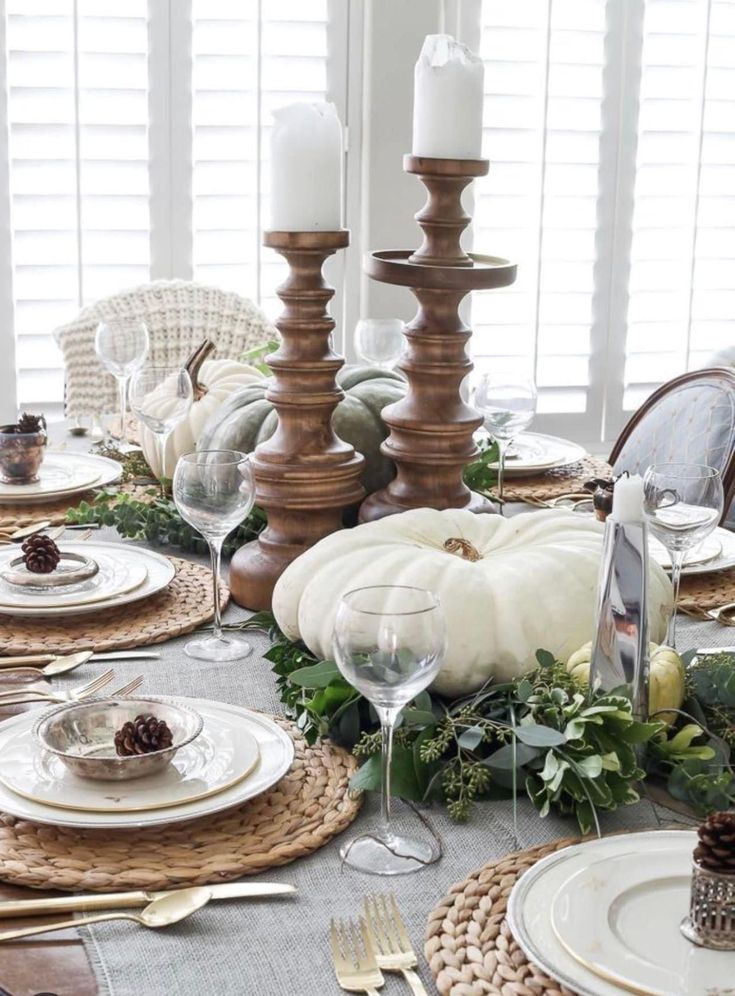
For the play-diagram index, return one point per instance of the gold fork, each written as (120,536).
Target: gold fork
(390,938)
(126,689)
(131,686)
(42,695)
(354,959)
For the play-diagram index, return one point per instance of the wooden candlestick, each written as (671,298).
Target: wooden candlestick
(431,429)
(305,475)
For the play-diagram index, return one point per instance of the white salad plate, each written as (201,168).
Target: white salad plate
(620,917)
(159,573)
(532,453)
(223,754)
(715,553)
(64,474)
(275,756)
(532,897)
(116,576)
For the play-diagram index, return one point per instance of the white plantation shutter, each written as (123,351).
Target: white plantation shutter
(682,274)
(538,205)
(77,112)
(249,58)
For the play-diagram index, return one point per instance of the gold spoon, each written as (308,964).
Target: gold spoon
(162,912)
(724,615)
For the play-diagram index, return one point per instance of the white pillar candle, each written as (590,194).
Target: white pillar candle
(447,100)
(628,499)
(306,169)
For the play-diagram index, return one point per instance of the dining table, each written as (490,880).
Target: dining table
(277,946)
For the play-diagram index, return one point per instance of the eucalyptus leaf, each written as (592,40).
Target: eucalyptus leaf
(505,758)
(536,735)
(317,675)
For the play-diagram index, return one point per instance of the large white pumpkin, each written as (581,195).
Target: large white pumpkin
(214,381)
(508,587)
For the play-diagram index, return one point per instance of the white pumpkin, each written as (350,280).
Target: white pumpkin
(508,587)
(214,381)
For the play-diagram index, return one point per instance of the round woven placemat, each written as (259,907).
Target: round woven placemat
(700,592)
(309,806)
(555,483)
(180,608)
(20,514)
(469,946)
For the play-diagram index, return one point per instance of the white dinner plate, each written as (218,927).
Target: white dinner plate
(620,918)
(275,749)
(529,905)
(532,453)
(700,560)
(160,573)
(116,576)
(62,475)
(223,754)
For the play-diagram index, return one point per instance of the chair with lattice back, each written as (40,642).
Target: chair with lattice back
(690,419)
(179,314)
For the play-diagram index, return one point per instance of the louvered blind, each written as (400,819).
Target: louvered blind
(543,95)
(682,278)
(77,113)
(249,58)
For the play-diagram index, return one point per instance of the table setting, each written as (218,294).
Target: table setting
(421,739)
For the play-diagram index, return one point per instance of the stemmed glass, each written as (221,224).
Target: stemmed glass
(122,346)
(683,502)
(214,490)
(161,398)
(507,405)
(379,341)
(389,641)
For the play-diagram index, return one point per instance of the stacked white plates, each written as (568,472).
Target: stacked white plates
(533,453)
(63,475)
(715,553)
(126,574)
(238,755)
(603,918)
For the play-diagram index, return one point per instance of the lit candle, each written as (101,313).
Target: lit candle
(447,100)
(306,169)
(628,499)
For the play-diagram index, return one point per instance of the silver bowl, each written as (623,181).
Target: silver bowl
(82,735)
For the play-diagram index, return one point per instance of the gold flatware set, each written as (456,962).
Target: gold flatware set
(30,695)
(48,665)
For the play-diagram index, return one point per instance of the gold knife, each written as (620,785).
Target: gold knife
(126,900)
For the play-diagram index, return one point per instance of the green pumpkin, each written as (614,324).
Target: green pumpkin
(247,418)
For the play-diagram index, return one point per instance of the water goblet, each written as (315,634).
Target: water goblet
(379,341)
(507,405)
(214,490)
(122,346)
(161,398)
(389,641)
(683,503)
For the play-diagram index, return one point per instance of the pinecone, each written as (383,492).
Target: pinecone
(716,848)
(142,736)
(31,423)
(40,554)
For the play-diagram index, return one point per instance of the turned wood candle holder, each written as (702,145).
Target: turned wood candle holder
(431,429)
(305,475)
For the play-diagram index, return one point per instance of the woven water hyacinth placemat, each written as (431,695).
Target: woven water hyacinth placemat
(308,806)
(180,608)
(556,482)
(21,514)
(469,946)
(700,592)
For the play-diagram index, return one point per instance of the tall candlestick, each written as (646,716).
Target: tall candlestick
(447,101)
(306,169)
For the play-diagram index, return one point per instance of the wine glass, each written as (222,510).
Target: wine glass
(379,341)
(389,641)
(122,346)
(161,398)
(683,502)
(507,405)
(214,491)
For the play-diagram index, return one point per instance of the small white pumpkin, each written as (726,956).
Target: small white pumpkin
(213,381)
(508,587)
(667,685)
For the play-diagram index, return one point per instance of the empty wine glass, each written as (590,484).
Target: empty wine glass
(214,491)
(161,397)
(389,643)
(683,503)
(379,341)
(507,405)
(122,346)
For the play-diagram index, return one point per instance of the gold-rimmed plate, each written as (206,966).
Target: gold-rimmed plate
(223,754)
